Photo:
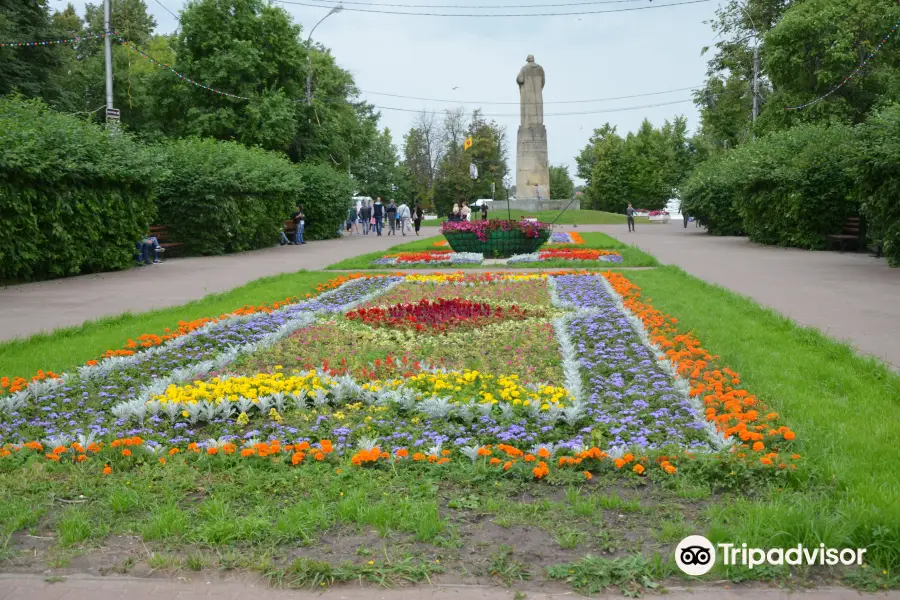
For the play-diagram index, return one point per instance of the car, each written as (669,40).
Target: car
(481,201)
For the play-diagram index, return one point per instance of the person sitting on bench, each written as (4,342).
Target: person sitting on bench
(144,249)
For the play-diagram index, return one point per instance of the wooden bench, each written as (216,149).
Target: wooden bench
(290,229)
(161,233)
(852,233)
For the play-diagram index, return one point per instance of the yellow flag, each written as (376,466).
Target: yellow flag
(467,144)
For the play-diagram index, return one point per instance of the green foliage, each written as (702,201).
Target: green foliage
(73,198)
(795,187)
(326,195)
(27,70)
(815,45)
(646,168)
(879,180)
(220,197)
(488,153)
(791,188)
(377,172)
(709,194)
(561,184)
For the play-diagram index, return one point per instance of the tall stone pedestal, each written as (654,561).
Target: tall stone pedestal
(532,168)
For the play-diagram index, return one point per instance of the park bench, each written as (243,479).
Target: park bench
(290,229)
(851,234)
(161,233)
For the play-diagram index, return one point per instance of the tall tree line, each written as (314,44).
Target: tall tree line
(249,48)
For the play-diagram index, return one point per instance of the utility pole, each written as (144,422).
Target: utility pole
(755,80)
(107,43)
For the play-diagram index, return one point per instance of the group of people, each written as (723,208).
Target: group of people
(464,213)
(299,219)
(375,217)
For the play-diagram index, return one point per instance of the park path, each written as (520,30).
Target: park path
(44,306)
(29,587)
(852,297)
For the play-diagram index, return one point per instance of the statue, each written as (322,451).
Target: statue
(531,85)
(532,165)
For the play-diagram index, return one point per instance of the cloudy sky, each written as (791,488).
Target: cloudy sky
(585,57)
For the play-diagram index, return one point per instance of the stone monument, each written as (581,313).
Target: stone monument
(532,166)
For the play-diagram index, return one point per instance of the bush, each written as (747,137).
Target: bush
(709,193)
(326,194)
(219,197)
(795,187)
(878,176)
(73,197)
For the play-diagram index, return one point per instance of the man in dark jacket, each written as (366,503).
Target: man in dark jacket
(630,212)
(391,212)
(365,215)
(378,214)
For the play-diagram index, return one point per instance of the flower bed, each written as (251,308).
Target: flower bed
(569,254)
(560,237)
(522,375)
(437,315)
(430,257)
(496,238)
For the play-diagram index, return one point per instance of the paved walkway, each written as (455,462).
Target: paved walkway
(853,297)
(34,307)
(26,587)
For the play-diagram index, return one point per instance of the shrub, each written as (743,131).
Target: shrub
(219,197)
(878,175)
(326,194)
(73,197)
(708,195)
(795,187)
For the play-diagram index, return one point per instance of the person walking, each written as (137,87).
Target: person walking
(300,220)
(403,215)
(391,212)
(378,215)
(630,212)
(484,211)
(352,219)
(419,214)
(466,212)
(365,216)
(686,219)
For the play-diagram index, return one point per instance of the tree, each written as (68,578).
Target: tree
(28,70)
(488,153)
(377,172)
(609,190)
(813,48)
(561,185)
(422,153)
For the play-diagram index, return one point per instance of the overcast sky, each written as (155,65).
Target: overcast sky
(585,57)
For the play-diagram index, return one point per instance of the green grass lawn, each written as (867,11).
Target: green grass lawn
(568,217)
(66,348)
(631,255)
(844,408)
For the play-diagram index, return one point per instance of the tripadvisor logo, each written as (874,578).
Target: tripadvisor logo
(695,555)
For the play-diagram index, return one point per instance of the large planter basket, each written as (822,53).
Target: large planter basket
(499,244)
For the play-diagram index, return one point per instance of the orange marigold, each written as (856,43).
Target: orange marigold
(587,475)
(402,453)
(126,452)
(639,469)
(107,470)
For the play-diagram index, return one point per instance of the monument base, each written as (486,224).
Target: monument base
(532,165)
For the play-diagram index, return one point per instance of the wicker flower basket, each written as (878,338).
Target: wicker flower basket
(496,238)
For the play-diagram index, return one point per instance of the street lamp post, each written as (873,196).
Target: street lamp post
(333,11)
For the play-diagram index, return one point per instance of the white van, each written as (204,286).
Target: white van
(481,201)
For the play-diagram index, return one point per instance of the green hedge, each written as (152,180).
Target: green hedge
(709,194)
(326,194)
(795,187)
(879,180)
(790,188)
(73,198)
(220,197)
